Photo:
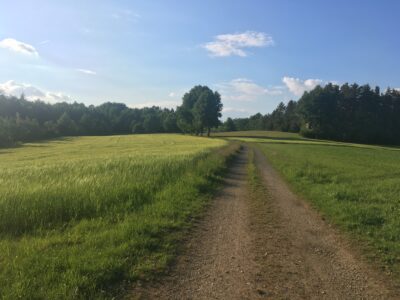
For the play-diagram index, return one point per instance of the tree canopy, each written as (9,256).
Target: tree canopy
(22,120)
(200,110)
(350,113)
(284,118)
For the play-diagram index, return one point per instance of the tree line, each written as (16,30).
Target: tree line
(284,118)
(349,113)
(23,121)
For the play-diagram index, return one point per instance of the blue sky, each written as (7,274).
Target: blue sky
(255,53)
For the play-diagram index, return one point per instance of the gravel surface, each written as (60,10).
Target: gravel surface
(273,246)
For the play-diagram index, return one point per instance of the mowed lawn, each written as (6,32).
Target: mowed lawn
(79,217)
(355,186)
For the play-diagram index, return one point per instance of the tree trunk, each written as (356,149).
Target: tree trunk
(208,131)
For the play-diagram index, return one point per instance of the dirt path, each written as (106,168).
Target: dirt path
(272,247)
(217,262)
(305,257)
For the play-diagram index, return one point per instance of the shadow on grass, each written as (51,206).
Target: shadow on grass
(263,137)
(294,138)
(329,144)
(36,144)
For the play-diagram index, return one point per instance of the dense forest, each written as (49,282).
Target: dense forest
(23,121)
(350,113)
(284,118)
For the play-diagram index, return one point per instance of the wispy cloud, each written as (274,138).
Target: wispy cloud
(18,46)
(125,14)
(172,94)
(298,86)
(86,71)
(235,44)
(242,89)
(44,42)
(12,88)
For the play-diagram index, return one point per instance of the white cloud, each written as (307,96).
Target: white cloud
(238,110)
(12,88)
(384,90)
(17,46)
(234,44)
(172,95)
(298,86)
(166,104)
(242,89)
(88,72)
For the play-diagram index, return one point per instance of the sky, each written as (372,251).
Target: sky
(144,53)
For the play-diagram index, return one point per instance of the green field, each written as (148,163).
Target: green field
(82,217)
(356,187)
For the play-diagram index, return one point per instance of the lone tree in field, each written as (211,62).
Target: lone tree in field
(201,109)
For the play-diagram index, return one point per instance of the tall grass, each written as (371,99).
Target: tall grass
(80,217)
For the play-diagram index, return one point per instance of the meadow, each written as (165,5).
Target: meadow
(354,186)
(83,217)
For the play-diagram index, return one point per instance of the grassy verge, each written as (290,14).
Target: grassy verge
(138,194)
(258,195)
(356,187)
(260,134)
(253,176)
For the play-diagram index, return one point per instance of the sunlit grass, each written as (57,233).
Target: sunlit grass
(80,216)
(259,134)
(276,137)
(355,186)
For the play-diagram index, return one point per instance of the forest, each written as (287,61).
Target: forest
(23,121)
(350,113)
